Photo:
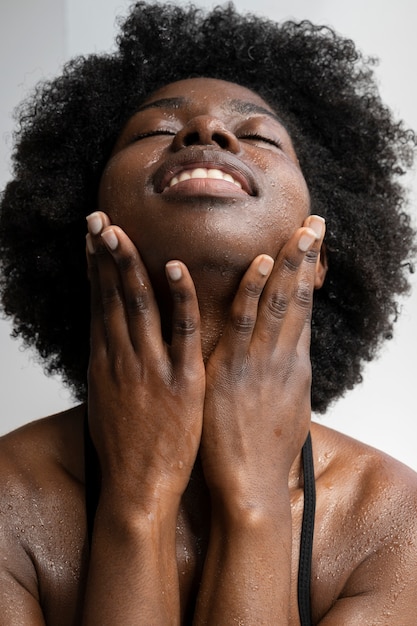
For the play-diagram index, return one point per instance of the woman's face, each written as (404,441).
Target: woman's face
(206,173)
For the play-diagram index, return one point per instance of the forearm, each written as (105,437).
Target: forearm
(145,406)
(133,576)
(247,572)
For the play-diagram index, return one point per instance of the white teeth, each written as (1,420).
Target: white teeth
(184,176)
(217,174)
(199,172)
(202,172)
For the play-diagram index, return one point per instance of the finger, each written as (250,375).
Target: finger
(244,310)
(96,222)
(97,330)
(304,340)
(296,326)
(314,277)
(108,295)
(287,298)
(186,338)
(134,294)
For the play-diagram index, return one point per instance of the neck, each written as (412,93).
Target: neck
(215,288)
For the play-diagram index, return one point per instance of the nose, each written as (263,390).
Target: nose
(205,130)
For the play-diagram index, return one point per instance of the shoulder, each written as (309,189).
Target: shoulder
(366,470)
(40,462)
(30,453)
(41,492)
(369,483)
(366,523)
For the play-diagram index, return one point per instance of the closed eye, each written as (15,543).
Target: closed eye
(151,133)
(261,138)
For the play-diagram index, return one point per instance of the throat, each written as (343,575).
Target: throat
(216,286)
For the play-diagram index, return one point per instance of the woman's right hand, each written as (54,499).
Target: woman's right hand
(145,398)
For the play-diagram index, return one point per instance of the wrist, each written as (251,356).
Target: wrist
(143,512)
(252,506)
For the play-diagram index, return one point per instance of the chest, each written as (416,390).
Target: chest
(61,554)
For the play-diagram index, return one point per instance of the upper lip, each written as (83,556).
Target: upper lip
(205,156)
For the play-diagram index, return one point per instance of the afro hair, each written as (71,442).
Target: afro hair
(351,150)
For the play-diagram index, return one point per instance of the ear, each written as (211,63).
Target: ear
(321,268)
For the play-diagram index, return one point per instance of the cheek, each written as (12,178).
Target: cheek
(286,186)
(123,184)
(289,198)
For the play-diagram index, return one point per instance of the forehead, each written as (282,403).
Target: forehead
(210,91)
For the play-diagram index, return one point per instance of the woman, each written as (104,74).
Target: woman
(186,486)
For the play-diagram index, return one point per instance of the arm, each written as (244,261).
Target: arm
(19,594)
(145,412)
(256,419)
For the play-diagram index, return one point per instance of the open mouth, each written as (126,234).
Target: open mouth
(202,172)
(205,168)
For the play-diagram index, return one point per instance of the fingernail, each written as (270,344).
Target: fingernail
(95,223)
(110,239)
(265,265)
(306,240)
(174,270)
(316,223)
(89,242)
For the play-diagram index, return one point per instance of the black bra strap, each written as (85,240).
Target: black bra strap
(307,532)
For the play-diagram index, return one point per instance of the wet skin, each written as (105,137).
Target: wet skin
(228,396)
(214,227)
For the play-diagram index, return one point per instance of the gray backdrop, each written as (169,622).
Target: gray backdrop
(36,37)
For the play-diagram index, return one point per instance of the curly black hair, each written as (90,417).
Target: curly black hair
(351,150)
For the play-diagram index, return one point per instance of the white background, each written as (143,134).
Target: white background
(37,36)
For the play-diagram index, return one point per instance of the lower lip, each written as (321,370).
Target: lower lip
(204,187)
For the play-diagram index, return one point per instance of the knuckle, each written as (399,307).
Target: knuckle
(185,326)
(137,303)
(289,265)
(278,305)
(253,290)
(311,256)
(126,262)
(110,297)
(180,296)
(303,295)
(243,324)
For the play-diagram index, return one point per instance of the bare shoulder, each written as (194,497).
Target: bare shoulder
(366,527)
(28,453)
(41,463)
(42,525)
(370,473)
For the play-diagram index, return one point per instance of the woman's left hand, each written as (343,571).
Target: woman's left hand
(258,379)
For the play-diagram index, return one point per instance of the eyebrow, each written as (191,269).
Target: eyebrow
(239,106)
(163,103)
